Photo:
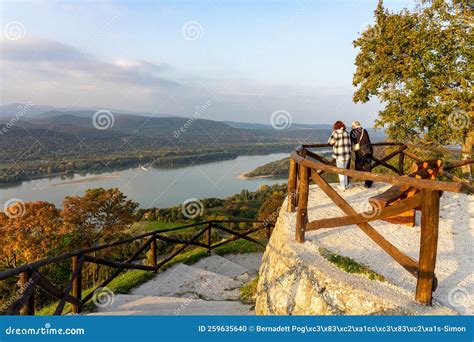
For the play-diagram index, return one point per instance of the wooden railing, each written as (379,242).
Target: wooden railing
(307,165)
(31,278)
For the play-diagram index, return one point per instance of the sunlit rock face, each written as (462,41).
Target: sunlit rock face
(294,279)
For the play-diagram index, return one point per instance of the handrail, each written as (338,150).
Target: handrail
(394,180)
(30,276)
(306,166)
(47,261)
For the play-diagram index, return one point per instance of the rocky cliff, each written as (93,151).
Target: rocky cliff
(295,279)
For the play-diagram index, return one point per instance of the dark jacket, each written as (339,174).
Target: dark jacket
(366,150)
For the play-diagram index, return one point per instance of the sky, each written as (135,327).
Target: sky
(240,60)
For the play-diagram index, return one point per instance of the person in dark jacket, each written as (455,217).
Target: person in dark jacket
(362,147)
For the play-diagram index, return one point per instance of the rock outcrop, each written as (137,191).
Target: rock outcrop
(297,280)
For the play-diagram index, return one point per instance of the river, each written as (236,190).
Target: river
(150,187)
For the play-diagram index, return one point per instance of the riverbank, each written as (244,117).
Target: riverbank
(165,158)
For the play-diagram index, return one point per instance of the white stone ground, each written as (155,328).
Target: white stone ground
(209,287)
(454,267)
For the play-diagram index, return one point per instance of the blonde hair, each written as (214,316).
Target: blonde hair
(356,124)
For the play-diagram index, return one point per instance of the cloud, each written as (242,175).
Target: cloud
(44,71)
(48,57)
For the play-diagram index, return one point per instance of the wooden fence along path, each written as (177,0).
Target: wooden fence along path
(31,278)
(417,191)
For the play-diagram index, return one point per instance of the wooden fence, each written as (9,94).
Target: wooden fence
(31,278)
(306,166)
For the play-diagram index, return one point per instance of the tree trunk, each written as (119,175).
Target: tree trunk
(467,170)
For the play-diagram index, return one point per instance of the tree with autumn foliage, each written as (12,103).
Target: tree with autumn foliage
(417,63)
(30,231)
(99,216)
(270,208)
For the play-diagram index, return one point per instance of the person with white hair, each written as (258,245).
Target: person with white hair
(363,149)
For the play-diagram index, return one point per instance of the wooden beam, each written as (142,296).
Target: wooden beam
(400,207)
(28,300)
(76,272)
(239,235)
(405,261)
(428,246)
(395,180)
(383,163)
(401,164)
(393,154)
(302,213)
(23,305)
(153,251)
(118,264)
(292,177)
(209,238)
(412,156)
(77,283)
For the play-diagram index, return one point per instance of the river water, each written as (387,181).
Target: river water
(150,187)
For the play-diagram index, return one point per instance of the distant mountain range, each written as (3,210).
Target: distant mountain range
(47,111)
(31,111)
(246,125)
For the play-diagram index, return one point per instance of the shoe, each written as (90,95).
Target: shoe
(367,186)
(341,188)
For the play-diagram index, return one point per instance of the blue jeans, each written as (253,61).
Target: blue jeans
(344,180)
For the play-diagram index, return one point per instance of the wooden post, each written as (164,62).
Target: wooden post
(28,307)
(268,231)
(302,213)
(76,284)
(401,163)
(292,177)
(428,245)
(208,238)
(153,250)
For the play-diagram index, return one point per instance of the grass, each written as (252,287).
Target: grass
(349,265)
(127,281)
(146,226)
(248,291)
